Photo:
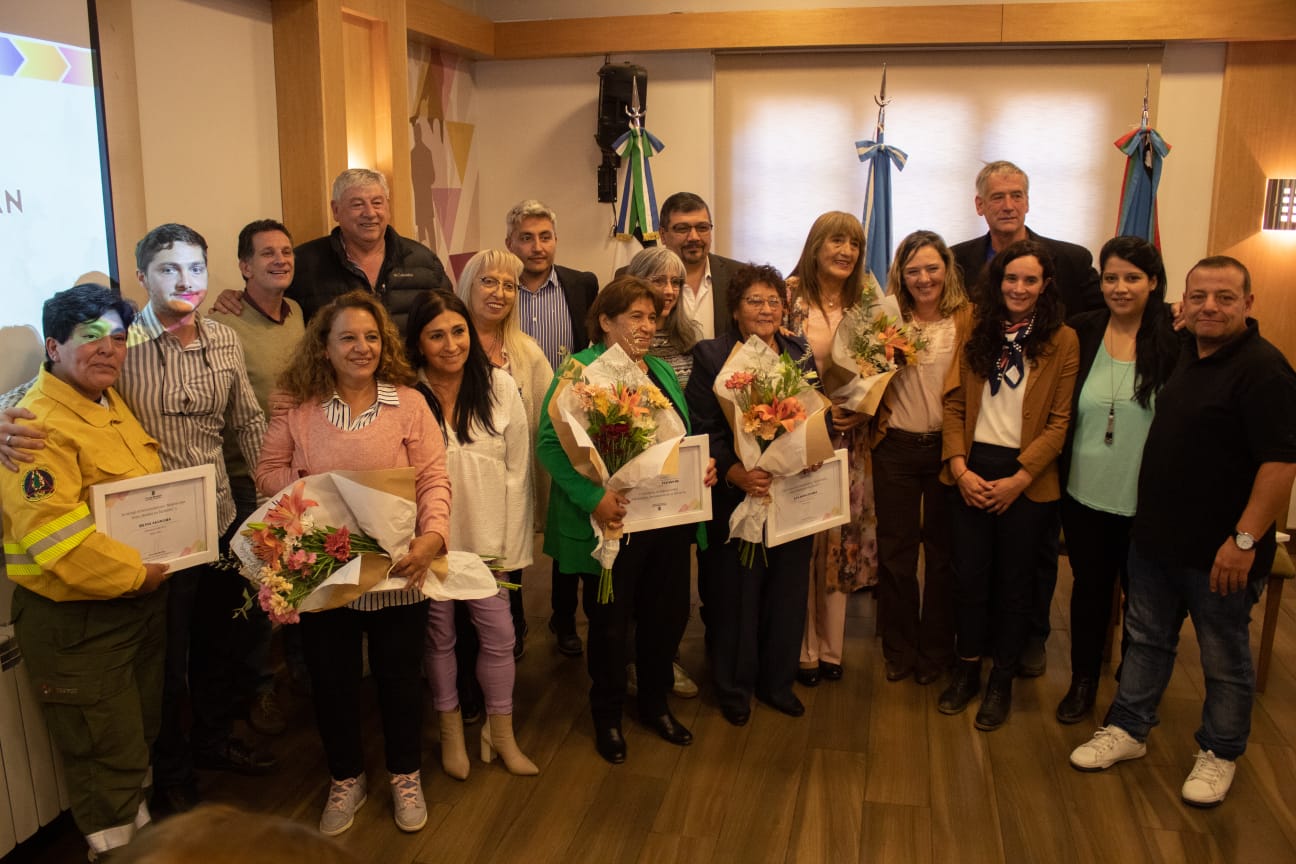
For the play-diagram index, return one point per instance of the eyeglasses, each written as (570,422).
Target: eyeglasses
(490,283)
(683,229)
(663,281)
(757,303)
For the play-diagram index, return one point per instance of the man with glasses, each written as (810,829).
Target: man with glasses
(553,299)
(686,228)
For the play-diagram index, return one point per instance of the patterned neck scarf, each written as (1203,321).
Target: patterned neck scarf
(1011,368)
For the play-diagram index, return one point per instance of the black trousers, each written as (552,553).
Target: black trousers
(1098,546)
(912,509)
(207,659)
(755,621)
(650,586)
(996,563)
(564,589)
(331,643)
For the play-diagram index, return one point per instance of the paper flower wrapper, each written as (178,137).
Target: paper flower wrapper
(806,444)
(849,387)
(571,422)
(378,504)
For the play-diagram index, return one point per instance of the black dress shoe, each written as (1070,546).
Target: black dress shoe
(174,799)
(569,644)
(235,756)
(610,744)
(996,702)
(1079,700)
(736,716)
(926,673)
(830,671)
(965,684)
(807,677)
(669,728)
(896,670)
(789,705)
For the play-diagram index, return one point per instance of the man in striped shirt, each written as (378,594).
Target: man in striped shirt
(551,310)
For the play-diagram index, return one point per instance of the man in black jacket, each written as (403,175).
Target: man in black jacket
(553,299)
(363,252)
(551,306)
(1003,199)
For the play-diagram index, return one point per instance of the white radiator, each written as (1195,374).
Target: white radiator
(32,793)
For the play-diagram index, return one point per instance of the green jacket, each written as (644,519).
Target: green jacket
(568,536)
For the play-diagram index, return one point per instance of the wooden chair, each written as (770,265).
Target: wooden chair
(1281,572)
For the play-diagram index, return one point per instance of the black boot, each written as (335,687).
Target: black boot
(965,684)
(996,701)
(1079,700)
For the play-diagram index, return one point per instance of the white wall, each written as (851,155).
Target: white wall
(1192,81)
(208,122)
(535,127)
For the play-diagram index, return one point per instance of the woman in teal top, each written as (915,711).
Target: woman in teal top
(650,578)
(1126,353)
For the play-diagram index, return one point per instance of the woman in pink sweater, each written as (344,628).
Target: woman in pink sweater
(357,412)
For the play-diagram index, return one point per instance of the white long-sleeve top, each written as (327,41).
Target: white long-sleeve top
(491,477)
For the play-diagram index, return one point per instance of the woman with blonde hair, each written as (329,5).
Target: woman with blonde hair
(488,286)
(829,279)
(917,628)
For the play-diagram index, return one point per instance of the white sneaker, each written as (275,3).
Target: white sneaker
(407,801)
(1109,745)
(1209,781)
(684,686)
(344,799)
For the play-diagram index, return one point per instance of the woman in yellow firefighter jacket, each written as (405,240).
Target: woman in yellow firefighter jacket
(89,619)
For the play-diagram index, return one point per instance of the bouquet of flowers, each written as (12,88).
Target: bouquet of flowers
(871,344)
(617,429)
(778,426)
(327,539)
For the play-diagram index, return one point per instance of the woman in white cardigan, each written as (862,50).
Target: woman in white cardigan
(488,457)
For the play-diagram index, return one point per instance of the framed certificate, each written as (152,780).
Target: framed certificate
(675,499)
(169,517)
(808,503)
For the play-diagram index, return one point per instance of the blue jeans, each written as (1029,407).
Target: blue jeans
(1159,598)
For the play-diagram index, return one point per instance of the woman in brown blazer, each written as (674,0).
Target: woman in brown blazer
(1005,424)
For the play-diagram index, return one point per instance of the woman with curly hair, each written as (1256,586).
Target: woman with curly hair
(1005,424)
(358,411)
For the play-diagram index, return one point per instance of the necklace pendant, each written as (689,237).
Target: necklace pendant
(1111,426)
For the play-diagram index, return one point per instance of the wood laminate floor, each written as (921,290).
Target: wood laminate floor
(872,773)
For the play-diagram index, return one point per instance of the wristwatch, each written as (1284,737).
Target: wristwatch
(1244,541)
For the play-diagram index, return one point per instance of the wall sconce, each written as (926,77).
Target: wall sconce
(1280,206)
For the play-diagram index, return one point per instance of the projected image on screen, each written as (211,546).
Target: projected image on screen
(52,225)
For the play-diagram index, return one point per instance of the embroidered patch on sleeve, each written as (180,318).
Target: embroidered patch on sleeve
(37,484)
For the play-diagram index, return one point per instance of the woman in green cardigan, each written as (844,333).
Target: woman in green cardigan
(650,578)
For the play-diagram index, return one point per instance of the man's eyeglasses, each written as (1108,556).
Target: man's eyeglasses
(663,281)
(490,283)
(683,229)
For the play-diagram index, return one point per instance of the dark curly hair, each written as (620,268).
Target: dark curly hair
(748,275)
(985,343)
(616,297)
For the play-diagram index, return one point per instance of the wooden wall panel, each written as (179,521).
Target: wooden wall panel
(441,24)
(310,95)
(1143,20)
(1257,140)
(121,116)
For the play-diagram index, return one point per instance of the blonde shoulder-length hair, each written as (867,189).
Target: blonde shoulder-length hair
(495,261)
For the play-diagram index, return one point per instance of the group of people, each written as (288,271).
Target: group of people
(1047,396)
